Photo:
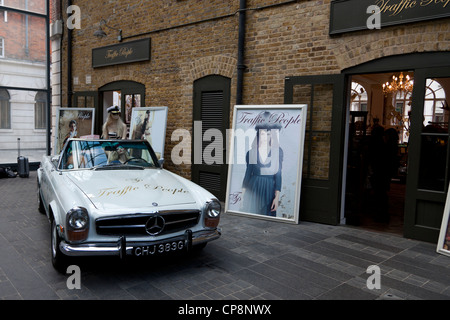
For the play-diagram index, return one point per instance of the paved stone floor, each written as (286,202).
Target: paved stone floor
(253,260)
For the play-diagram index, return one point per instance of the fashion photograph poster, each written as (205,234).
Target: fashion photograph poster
(73,123)
(265,161)
(149,123)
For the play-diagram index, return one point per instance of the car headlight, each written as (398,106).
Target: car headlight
(77,218)
(212,216)
(77,223)
(213,208)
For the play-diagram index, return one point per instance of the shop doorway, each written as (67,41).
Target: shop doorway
(379,125)
(331,126)
(419,183)
(125,94)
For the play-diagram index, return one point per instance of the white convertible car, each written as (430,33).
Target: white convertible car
(112,197)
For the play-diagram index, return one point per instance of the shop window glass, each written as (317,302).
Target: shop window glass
(436,107)
(2,47)
(433,171)
(5,110)
(85,101)
(316,156)
(358,98)
(40,121)
(400,114)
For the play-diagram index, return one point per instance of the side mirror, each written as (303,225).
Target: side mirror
(161,162)
(55,160)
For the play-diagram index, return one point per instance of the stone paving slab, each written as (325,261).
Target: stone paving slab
(253,260)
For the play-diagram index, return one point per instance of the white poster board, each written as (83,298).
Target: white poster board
(149,123)
(443,245)
(265,161)
(73,123)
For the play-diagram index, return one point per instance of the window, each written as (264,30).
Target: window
(433,172)
(131,101)
(399,116)
(3,13)
(358,98)
(40,121)
(5,110)
(2,47)
(434,105)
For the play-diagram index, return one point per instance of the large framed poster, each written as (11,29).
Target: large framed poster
(443,245)
(149,123)
(73,123)
(265,161)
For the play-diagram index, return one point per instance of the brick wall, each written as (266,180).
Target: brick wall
(15,33)
(281,40)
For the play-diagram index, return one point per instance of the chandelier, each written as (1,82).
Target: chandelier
(398,84)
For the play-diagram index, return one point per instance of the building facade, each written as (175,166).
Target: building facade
(201,58)
(23,64)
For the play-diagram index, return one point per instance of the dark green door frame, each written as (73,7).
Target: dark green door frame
(125,87)
(321,198)
(423,208)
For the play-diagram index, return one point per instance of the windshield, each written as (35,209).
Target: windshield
(107,154)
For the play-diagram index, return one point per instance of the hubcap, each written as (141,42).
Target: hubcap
(54,239)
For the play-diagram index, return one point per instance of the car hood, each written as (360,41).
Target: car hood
(132,189)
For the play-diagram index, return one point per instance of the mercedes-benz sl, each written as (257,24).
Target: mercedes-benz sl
(113,197)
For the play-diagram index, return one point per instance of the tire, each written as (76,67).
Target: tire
(199,247)
(40,203)
(59,260)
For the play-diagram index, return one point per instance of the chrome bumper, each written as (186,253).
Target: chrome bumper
(122,247)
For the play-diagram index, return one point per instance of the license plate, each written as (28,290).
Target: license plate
(154,249)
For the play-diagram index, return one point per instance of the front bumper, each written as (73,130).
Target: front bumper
(124,248)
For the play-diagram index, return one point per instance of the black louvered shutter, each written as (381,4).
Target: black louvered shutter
(211,107)
(211,112)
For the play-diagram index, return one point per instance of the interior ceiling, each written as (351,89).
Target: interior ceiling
(379,78)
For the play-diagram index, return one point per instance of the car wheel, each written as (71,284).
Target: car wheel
(59,260)
(199,247)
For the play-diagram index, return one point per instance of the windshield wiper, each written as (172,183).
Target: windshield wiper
(116,166)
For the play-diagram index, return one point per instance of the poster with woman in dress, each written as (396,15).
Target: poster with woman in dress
(73,123)
(265,162)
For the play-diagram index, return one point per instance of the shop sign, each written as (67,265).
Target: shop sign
(133,51)
(353,15)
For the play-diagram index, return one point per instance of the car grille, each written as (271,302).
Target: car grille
(135,224)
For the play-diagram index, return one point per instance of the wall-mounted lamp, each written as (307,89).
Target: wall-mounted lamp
(100,33)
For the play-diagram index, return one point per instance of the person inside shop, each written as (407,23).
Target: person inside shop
(384,163)
(262,181)
(114,127)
